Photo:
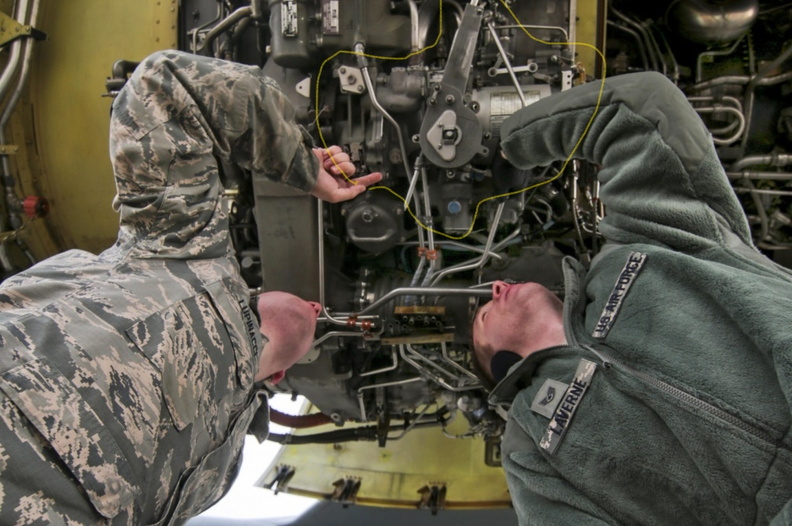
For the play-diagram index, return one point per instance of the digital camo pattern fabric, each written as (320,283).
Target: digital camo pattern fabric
(126,379)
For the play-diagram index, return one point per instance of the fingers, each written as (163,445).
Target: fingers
(368,180)
(345,194)
(342,168)
(334,155)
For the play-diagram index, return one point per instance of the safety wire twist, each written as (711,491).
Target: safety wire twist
(491,198)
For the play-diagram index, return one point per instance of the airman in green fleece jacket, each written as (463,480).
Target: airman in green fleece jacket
(659,391)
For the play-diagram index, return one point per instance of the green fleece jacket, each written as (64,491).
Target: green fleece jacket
(671,402)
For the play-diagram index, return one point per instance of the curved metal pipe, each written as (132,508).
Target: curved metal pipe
(784,159)
(391,367)
(652,42)
(637,38)
(19,68)
(362,404)
(360,49)
(480,262)
(223,26)
(756,81)
(23,74)
(12,66)
(726,109)
(741,80)
(432,376)
(635,25)
(721,53)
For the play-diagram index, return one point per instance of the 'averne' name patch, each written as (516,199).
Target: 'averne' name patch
(628,274)
(562,418)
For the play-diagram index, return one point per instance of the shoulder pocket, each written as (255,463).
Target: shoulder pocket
(52,404)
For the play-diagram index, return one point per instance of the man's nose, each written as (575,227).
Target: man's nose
(316,307)
(498,288)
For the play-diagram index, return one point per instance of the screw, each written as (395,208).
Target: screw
(450,99)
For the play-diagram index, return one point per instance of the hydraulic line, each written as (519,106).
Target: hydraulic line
(299,421)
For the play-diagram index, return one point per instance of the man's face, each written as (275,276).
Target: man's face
(517,315)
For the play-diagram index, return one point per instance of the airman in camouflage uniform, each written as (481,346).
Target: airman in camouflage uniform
(127,379)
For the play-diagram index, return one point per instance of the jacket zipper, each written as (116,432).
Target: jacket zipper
(687,398)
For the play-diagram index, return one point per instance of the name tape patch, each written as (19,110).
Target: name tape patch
(635,262)
(567,406)
(250,324)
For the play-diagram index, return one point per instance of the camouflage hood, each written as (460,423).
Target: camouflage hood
(167,135)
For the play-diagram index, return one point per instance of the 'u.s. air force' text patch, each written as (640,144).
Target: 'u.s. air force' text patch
(614,302)
(562,417)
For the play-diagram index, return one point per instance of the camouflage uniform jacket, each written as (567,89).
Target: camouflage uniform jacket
(127,378)
(671,402)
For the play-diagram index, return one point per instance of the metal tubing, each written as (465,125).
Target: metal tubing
(635,25)
(391,367)
(429,291)
(362,404)
(700,61)
(552,28)
(429,233)
(783,159)
(224,25)
(458,367)
(326,316)
(763,192)
(437,379)
(413,182)
(415,37)
(726,109)
(461,246)
(760,176)
(637,38)
(741,80)
(359,48)
(10,70)
(507,63)
(756,81)
(480,262)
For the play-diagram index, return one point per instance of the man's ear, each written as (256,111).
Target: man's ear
(277,377)
(501,362)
